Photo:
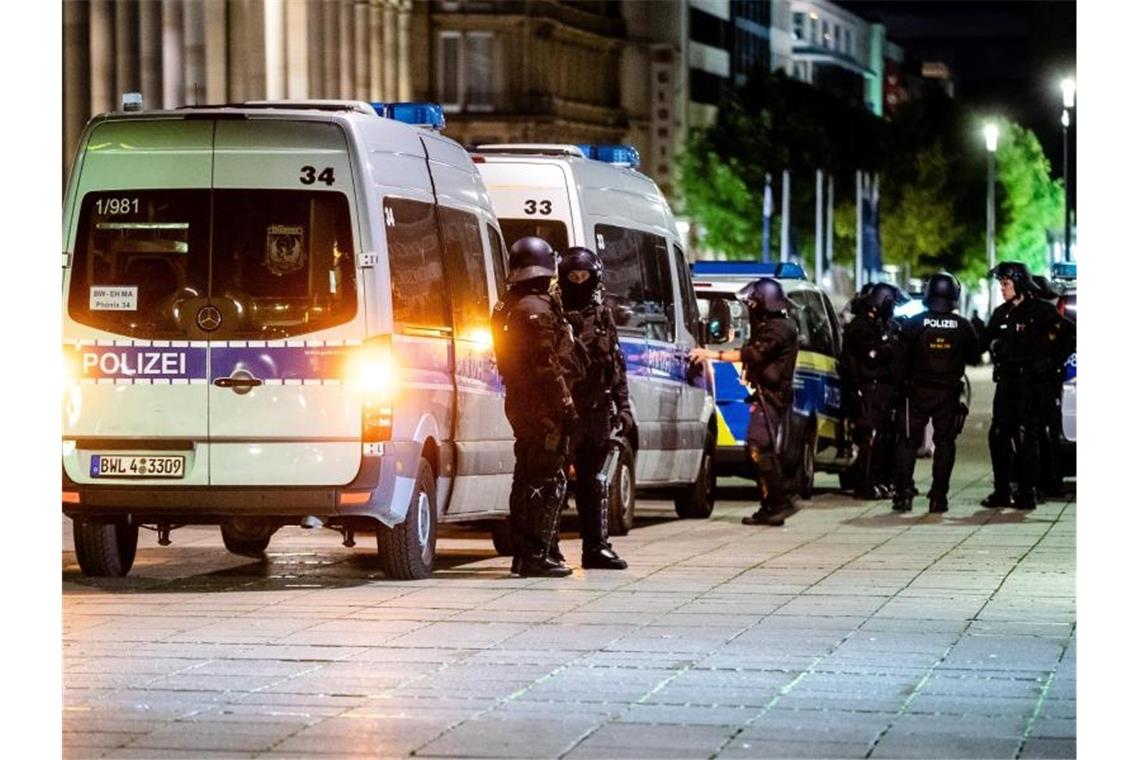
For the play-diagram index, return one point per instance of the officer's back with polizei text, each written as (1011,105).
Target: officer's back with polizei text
(937,347)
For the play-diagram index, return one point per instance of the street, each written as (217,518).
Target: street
(850,632)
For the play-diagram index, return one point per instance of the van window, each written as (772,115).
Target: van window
(136,251)
(811,318)
(639,287)
(689,313)
(466,276)
(551,231)
(498,259)
(283,259)
(415,260)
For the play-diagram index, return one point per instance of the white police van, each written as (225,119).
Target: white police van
(592,196)
(278,313)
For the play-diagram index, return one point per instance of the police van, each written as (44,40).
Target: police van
(816,433)
(278,313)
(593,196)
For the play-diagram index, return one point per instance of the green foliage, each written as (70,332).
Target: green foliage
(1031,202)
(931,164)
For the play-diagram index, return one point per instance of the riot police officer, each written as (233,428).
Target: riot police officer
(871,379)
(1064,343)
(1023,340)
(769,359)
(601,398)
(534,349)
(936,346)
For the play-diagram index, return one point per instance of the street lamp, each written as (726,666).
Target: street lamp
(1068,99)
(991,133)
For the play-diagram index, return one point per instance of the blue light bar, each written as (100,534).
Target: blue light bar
(618,155)
(787,270)
(429,115)
(1065,270)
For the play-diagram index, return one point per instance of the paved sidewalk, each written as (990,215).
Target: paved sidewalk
(851,633)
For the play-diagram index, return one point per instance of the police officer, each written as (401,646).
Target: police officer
(1022,338)
(601,398)
(769,359)
(1064,343)
(871,378)
(936,345)
(534,349)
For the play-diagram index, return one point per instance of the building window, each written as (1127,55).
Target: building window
(815,31)
(797,26)
(826,34)
(850,47)
(466,72)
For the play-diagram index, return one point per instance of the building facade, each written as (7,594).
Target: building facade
(186,52)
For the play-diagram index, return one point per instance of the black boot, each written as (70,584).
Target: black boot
(764,516)
(903,502)
(938,503)
(593,512)
(997,500)
(774,503)
(1025,498)
(544,512)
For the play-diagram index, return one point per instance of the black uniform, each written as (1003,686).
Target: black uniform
(601,397)
(936,347)
(871,373)
(769,360)
(1028,346)
(535,352)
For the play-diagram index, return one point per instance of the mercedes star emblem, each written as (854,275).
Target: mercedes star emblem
(209,318)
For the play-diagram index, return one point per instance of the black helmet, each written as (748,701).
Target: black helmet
(1044,288)
(1018,273)
(883,298)
(764,295)
(942,292)
(579,259)
(531,257)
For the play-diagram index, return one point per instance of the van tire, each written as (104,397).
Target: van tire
(105,549)
(407,550)
(622,498)
(503,538)
(696,502)
(244,543)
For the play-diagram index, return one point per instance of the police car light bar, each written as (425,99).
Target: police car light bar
(787,270)
(428,115)
(1064,270)
(618,155)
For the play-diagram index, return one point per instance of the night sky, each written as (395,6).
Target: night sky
(1006,57)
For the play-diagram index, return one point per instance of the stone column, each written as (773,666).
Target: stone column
(217,63)
(76,70)
(126,49)
(296,50)
(391,52)
(102,45)
(173,73)
(316,46)
(347,62)
(194,47)
(360,48)
(330,54)
(377,53)
(150,52)
(274,50)
(404,52)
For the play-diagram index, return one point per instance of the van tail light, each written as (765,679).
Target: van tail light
(373,374)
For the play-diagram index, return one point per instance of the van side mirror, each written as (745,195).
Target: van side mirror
(718,324)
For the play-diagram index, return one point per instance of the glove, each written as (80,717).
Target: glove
(625,419)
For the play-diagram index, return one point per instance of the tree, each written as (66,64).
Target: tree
(1031,202)
(918,223)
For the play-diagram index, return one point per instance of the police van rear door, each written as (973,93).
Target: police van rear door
(289,305)
(137,263)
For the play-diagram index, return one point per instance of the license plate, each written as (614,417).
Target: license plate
(105,466)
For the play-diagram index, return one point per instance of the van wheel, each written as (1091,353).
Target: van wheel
(105,549)
(246,540)
(807,462)
(407,550)
(503,538)
(697,501)
(622,499)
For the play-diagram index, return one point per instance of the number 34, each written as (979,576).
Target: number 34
(309,175)
(541,207)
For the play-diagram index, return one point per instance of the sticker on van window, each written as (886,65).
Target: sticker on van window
(601,241)
(284,249)
(114,298)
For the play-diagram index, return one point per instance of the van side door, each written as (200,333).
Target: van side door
(696,402)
